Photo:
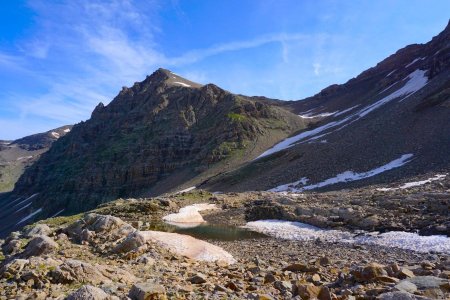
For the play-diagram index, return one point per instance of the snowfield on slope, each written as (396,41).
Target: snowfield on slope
(346,176)
(304,232)
(29,216)
(415,81)
(408,185)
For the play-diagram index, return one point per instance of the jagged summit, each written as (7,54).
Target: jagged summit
(163,76)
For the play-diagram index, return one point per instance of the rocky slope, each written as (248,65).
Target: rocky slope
(160,134)
(388,123)
(17,155)
(103,254)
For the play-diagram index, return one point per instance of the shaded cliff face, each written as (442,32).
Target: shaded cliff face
(389,123)
(159,134)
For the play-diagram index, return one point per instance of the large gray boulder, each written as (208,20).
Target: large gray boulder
(104,226)
(40,245)
(427,282)
(39,229)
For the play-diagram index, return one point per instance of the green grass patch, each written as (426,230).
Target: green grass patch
(60,221)
(194,196)
(236,117)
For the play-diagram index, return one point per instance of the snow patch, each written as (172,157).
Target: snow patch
(415,183)
(308,111)
(384,90)
(321,115)
(67,130)
(182,84)
(188,246)
(346,110)
(289,142)
(28,199)
(189,216)
(408,241)
(24,157)
(23,207)
(186,190)
(289,230)
(414,61)
(416,81)
(396,239)
(346,176)
(29,216)
(390,73)
(289,186)
(55,134)
(58,213)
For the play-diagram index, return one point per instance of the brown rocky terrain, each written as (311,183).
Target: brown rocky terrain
(100,254)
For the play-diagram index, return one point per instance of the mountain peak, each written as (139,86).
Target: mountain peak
(171,79)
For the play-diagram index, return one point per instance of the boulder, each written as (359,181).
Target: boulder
(283,286)
(39,229)
(198,278)
(109,227)
(400,296)
(405,273)
(296,267)
(147,291)
(369,272)
(12,247)
(88,292)
(12,268)
(78,271)
(133,241)
(307,290)
(324,294)
(427,282)
(325,261)
(39,245)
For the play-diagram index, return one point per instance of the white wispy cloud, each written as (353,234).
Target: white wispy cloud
(84,51)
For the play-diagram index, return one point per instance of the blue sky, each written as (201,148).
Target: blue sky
(59,58)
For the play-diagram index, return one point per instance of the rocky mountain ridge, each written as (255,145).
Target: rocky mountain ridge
(159,134)
(399,108)
(17,155)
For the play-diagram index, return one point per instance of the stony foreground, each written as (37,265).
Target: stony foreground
(102,255)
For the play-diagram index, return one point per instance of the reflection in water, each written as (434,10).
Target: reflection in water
(209,232)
